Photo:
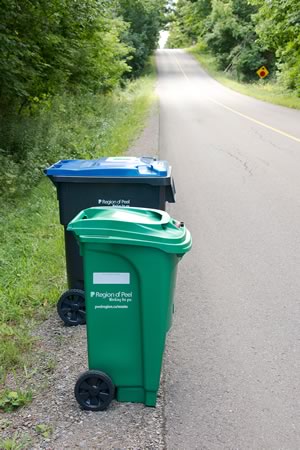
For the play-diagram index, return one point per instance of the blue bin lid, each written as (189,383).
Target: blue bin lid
(123,166)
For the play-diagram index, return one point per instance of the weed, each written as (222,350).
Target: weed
(29,372)
(44,430)
(11,400)
(50,365)
(4,423)
(16,442)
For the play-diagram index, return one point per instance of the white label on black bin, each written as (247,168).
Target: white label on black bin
(120,203)
(111,278)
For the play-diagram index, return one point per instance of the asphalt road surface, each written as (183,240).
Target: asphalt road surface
(232,363)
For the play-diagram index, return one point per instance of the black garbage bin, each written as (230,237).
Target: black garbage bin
(113,181)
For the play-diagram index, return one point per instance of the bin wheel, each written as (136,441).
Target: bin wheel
(94,390)
(71,307)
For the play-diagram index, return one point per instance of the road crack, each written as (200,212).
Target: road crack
(243,163)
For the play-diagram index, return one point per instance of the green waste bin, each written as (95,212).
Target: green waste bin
(130,257)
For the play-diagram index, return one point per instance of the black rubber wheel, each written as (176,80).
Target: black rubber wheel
(71,307)
(94,390)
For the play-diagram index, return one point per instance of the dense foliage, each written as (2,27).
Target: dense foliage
(278,28)
(47,46)
(145,18)
(243,35)
(55,53)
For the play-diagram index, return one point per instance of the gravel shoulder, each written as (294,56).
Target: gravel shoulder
(53,419)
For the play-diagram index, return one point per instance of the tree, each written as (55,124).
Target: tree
(226,28)
(47,46)
(187,22)
(278,27)
(145,19)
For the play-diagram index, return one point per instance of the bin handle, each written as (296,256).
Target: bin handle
(149,166)
(148,158)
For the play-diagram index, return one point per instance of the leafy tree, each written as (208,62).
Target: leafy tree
(62,49)
(145,19)
(232,38)
(47,46)
(100,60)
(278,27)
(226,27)
(177,38)
(187,22)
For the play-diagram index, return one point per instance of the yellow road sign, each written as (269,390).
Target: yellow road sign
(262,72)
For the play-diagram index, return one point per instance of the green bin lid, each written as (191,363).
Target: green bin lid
(131,226)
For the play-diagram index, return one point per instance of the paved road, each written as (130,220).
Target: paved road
(232,364)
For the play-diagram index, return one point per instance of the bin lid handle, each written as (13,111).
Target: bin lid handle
(150,167)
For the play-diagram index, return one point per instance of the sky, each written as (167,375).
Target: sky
(163,38)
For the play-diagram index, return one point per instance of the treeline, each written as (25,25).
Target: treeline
(50,46)
(57,56)
(243,35)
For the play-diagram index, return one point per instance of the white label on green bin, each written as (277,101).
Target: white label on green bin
(111,278)
(107,300)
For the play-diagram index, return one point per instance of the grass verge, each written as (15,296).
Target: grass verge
(69,126)
(32,264)
(265,90)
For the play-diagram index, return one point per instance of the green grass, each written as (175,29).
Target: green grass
(16,442)
(32,270)
(32,263)
(265,90)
